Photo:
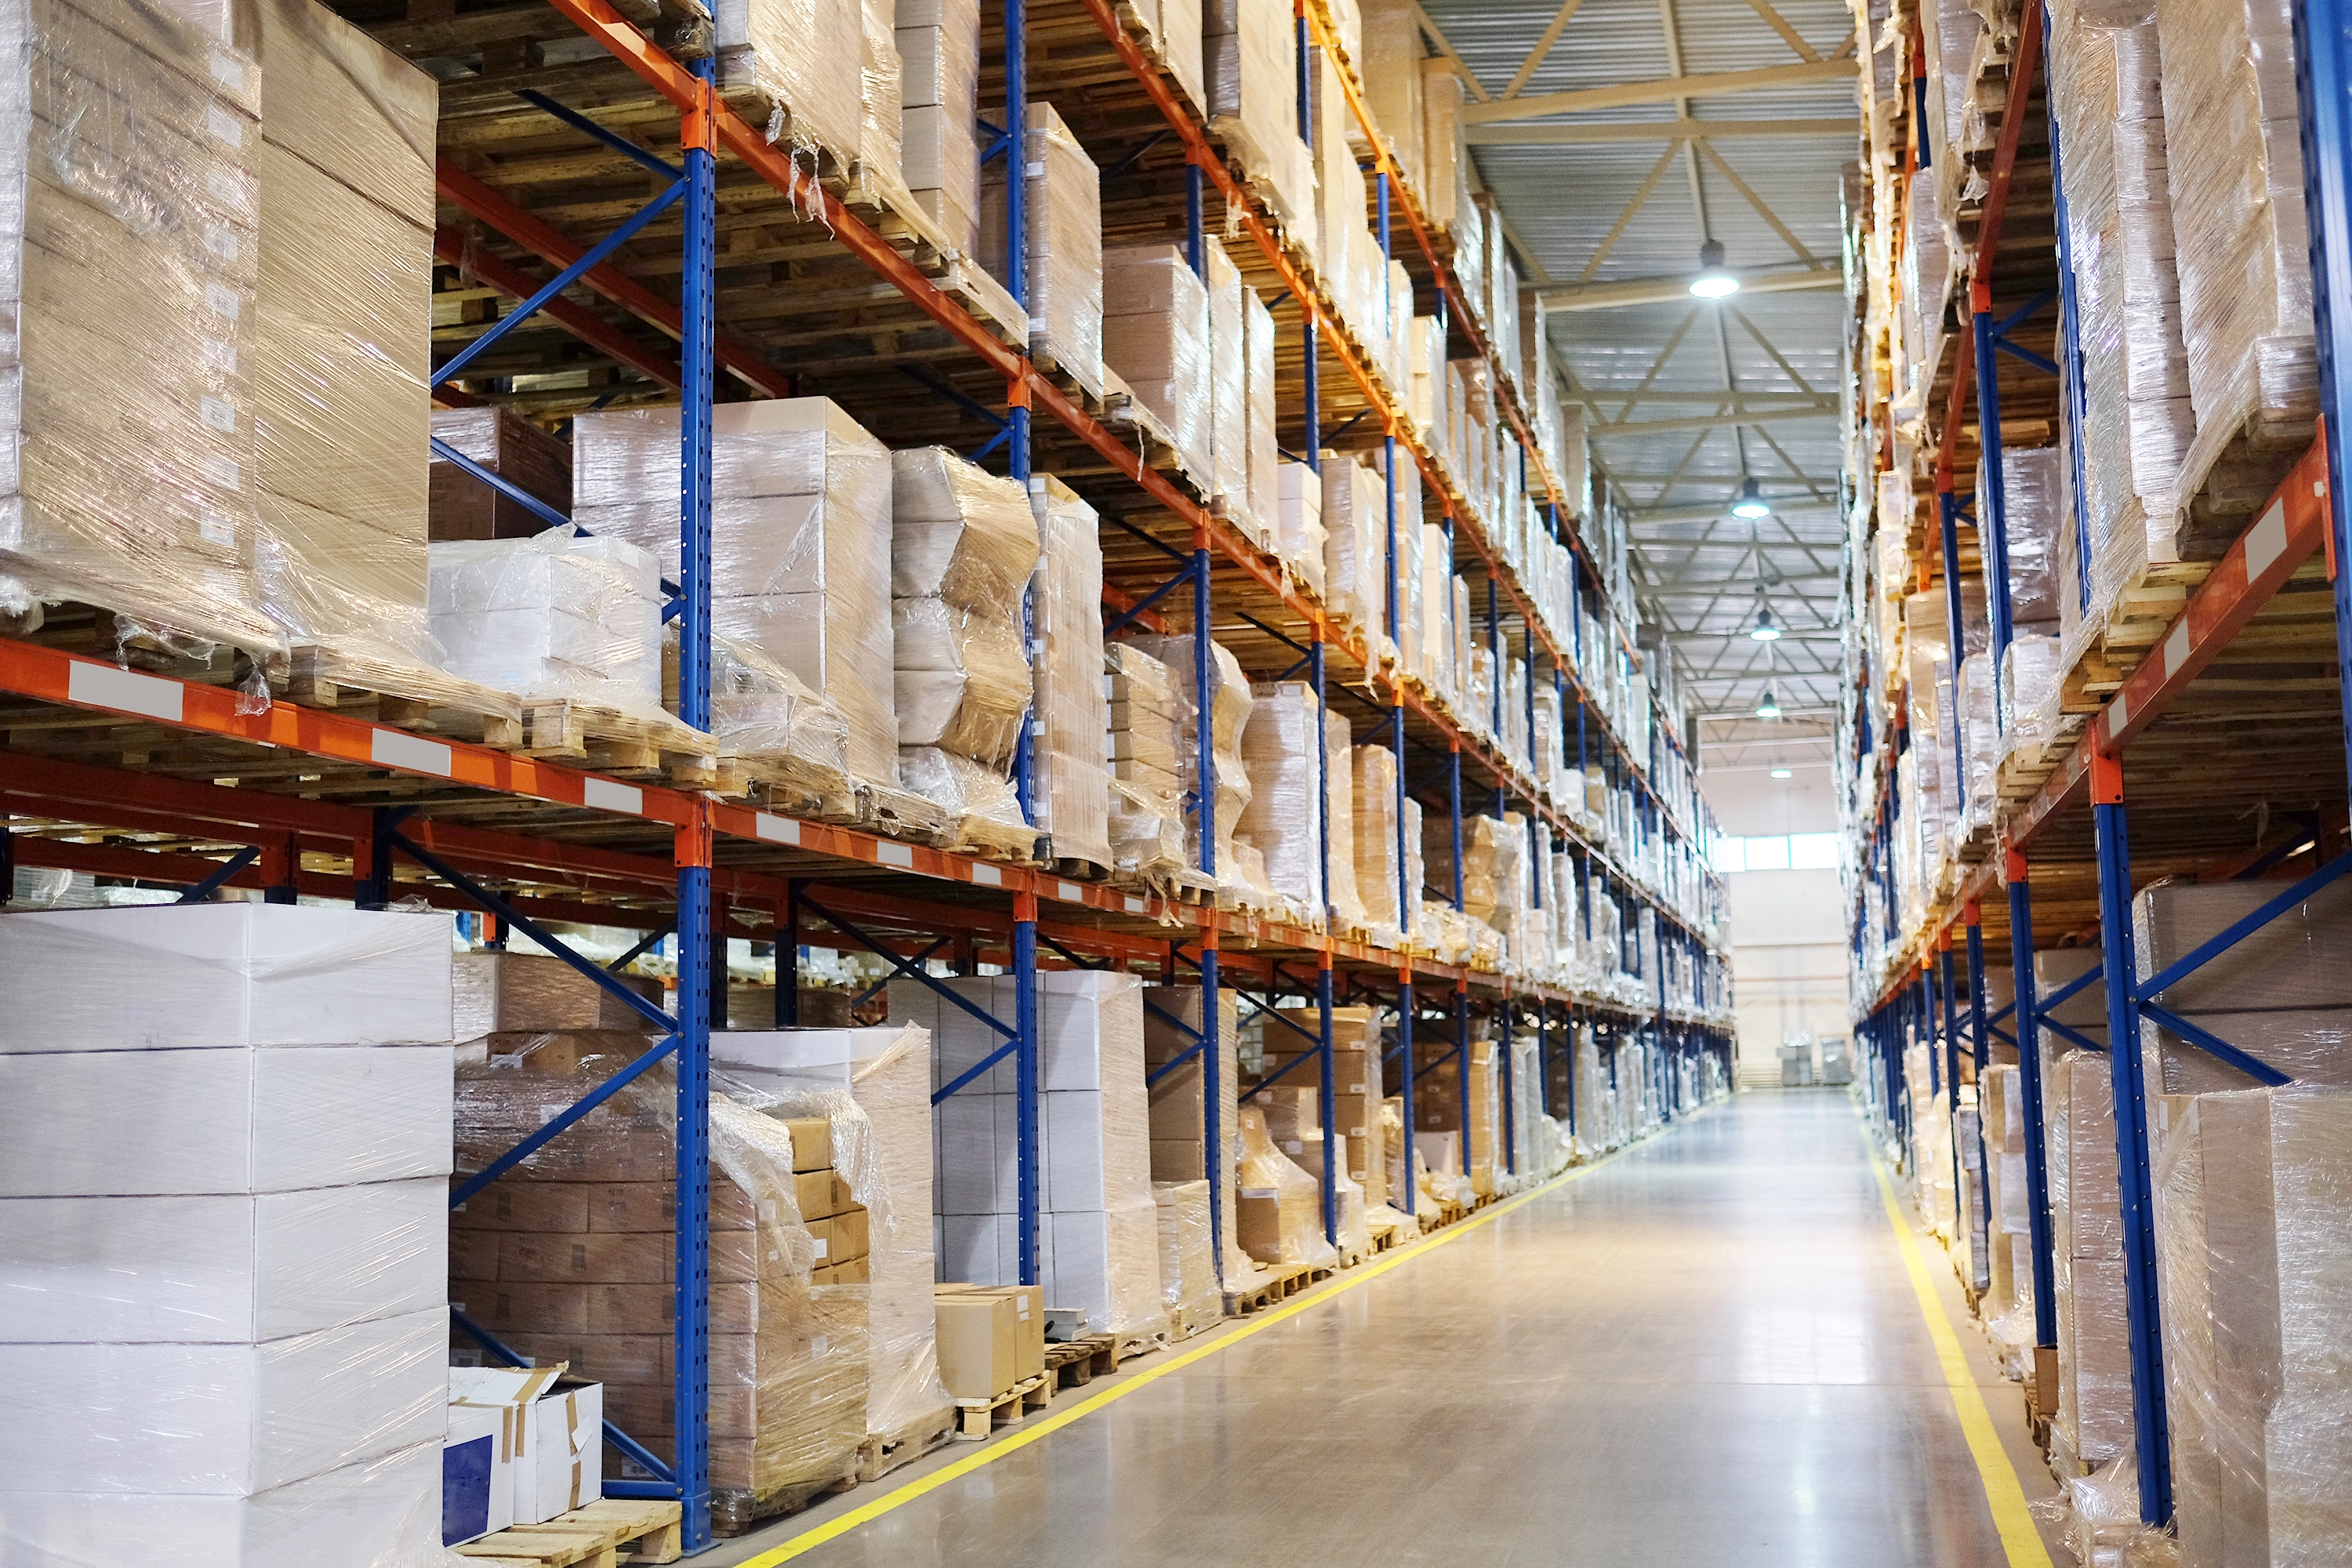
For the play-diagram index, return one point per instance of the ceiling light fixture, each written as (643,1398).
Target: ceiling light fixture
(1770,707)
(1764,630)
(1779,773)
(1714,280)
(1752,503)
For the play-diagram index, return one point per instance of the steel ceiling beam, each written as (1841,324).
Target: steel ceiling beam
(1663,89)
(1653,131)
(1667,290)
(1711,421)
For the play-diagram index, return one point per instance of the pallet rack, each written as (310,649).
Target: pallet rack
(127,774)
(2240,696)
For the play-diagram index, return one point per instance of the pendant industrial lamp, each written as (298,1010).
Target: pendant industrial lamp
(1714,280)
(1752,503)
(1768,706)
(1763,630)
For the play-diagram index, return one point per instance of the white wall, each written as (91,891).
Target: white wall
(1788,928)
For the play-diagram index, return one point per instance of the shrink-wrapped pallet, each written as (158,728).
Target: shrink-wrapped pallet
(1442,159)
(2277,994)
(2095,1402)
(1300,536)
(2029,691)
(1156,338)
(1229,702)
(1187,1265)
(1259,434)
(1176,28)
(1436,606)
(872,1087)
(1098,1232)
(1063,256)
(830,71)
(1250,59)
(2031,520)
(1073,793)
(2252,1241)
(964,547)
(1373,810)
(1355,547)
(1356,1090)
(496,993)
(939,97)
(223,1242)
(1147,817)
(1171,1027)
(1280,747)
(554,616)
(2241,237)
(571,1256)
(1389,70)
(1278,1206)
(132,237)
(462,507)
(1346,898)
(1227,399)
(800,560)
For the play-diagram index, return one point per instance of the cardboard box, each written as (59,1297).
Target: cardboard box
(821,1195)
(812,1143)
(979,1339)
(1258,1213)
(477,1474)
(561,1465)
(841,1238)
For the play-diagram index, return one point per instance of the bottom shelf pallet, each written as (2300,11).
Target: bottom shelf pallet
(736,1512)
(600,1535)
(882,1455)
(977,1418)
(1280,1282)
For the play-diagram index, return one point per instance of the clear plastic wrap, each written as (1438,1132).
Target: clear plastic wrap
(1299,534)
(1063,249)
(554,616)
(1231,701)
(873,1089)
(1228,392)
(2029,691)
(1389,66)
(809,60)
(1155,337)
(1073,803)
(2279,994)
(1347,899)
(1098,1236)
(1443,171)
(2030,511)
(1250,55)
(964,547)
(509,992)
(762,711)
(1279,1205)
(1435,607)
(1279,749)
(571,1256)
(1355,547)
(2094,1413)
(1172,1024)
(800,560)
(1259,434)
(938,98)
(210,976)
(1188,1268)
(131,237)
(1373,811)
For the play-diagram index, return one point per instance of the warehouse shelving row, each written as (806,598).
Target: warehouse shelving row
(130,774)
(2236,700)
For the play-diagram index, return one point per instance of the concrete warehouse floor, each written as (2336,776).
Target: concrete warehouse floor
(1705,1351)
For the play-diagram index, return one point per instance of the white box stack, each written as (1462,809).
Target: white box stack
(938,93)
(551,616)
(226,1239)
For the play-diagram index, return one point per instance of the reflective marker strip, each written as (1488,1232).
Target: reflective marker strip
(2266,541)
(1136,906)
(606,795)
(987,877)
(103,686)
(776,829)
(897,855)
(2176,650)
(1071,893)
(412,754)
(2118,715)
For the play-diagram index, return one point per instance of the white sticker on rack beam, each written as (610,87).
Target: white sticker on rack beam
(603,794)
(1071,893)
(1136,906)
(2266,541)
(2118,714)
(899,854)
(103,686)
(987,877)
(412,754)
(2176,650)
(776,829)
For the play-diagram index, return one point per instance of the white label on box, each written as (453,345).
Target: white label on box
(1355,1089)
(821,1243)
(222,241)
(397,748)
(228,70)
(1033,170)
(603,794)
(223,471)
(897,855)
(218,413)
(103,686)
(224,125)
(1292,1146)
(1261,1191)
(987,877)
(222,300)
(777,829)
(220,356)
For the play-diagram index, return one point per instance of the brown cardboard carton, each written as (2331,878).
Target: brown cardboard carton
(977,1343)
(812,1143)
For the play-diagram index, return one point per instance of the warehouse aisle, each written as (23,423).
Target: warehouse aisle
(1705,1353)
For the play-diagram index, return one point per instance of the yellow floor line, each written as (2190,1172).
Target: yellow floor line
(1021,1437)
(2006,1494)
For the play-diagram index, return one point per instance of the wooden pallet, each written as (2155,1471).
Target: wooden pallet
(652,745)
(1283,1281)
(600,1535)
(881,1454)
(461,709)
(736,1512)
(896,813)
(1074,1363)
(977,1418)
(1137,1342)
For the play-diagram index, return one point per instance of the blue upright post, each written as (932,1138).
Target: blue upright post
(1462,1064)
(1196,241)
(2029,1080)
(1957,637)
(1204,677)
(1506,1080)
(2323,59)
(788,957)
(691,1280)
(2137,1201)
(1404,1088)
(1027,1078)
(1982,1053)
(1332,1164)
(1952,1083)
(1453,808)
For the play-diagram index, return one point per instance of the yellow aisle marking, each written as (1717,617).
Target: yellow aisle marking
(2004,1491)
(1022,1437)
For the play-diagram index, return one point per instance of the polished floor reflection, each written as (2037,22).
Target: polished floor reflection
(1704,1352)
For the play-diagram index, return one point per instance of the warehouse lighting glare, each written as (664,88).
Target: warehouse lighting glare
(1781,773)
(1752,503)
(1714,280)
(1770,707)
(1764,630)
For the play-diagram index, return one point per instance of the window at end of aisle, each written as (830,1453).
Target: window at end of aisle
(1777,852)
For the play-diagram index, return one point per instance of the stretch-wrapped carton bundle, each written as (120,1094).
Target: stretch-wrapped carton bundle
(551,616)
(830,71)
(1250,55)
(1188,1263)
(2253,1245)
(1346,898)
(872,1089)
(1356,1087)
(1229,703)
(1156,338)
(2241,232)
(1098,1233)
(1279,747)
(223,1236)
(938,98)
(1437,1104)
(1063,254)
(572,1257)
(1073,803)
(1279,1206)
(1373,811)
(1299,533)
(1443,160)
(2137,378)
(1147,724)
(1390,68)
(2278,994)
(1172,1024)
(963,548)
(131,238)
(1258,434)
(1355,547)
(1485,841)
(1227,398)
(800,555)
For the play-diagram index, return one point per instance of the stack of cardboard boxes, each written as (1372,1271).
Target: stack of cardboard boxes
(1147,822)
